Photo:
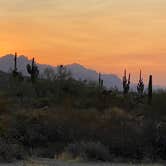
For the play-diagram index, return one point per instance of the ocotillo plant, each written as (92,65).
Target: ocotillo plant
(33,70)
(126,83)
(100,81)
(150,89)
(140,86)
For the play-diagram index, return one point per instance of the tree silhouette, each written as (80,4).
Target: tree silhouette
(62,73)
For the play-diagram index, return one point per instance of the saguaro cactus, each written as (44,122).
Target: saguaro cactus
(15,72)
(150,89)
(33,70)
(100,81)
(140,86)
(126,83)
(15,62)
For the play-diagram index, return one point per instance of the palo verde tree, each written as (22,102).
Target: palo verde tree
(140,86)
(126,83)
(49,74)
(33,71)
(62,73)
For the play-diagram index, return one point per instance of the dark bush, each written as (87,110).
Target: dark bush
(10,151)
(89,151)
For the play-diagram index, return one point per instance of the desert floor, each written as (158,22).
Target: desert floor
(47,162)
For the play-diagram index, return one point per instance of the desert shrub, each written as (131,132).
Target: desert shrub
(36,129)
(10,151)
(42,102)
(158,105)
(88,151)
(4,105)
(28,128)
(125,134)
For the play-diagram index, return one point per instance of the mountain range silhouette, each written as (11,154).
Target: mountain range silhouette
(79,72)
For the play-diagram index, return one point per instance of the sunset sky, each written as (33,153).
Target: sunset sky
(105,35)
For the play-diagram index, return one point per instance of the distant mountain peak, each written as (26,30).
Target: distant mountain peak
(7,56)
(76,65)
(23,57)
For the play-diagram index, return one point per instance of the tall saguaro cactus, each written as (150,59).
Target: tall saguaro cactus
(126,83)
(33,70)
(100,81)
(15,62)
(15,72)
(150,89)
(140,86)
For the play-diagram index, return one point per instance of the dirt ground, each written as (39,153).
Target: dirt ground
(47,162)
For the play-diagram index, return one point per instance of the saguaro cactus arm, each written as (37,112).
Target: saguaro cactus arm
(29,69)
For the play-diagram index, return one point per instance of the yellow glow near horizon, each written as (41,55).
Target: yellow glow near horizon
(107,35)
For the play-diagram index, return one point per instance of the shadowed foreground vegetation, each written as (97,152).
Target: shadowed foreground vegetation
(77,120)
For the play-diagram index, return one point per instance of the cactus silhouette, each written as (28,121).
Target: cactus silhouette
(33,70)
(150,89)
(126,83)
(140,86)
(100,81)
(15,72)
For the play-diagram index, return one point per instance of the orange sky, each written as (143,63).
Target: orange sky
(106,35)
